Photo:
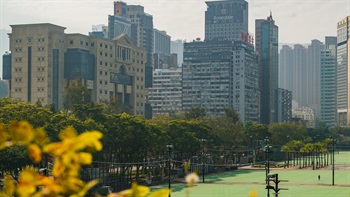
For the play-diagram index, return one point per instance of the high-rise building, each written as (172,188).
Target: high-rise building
(343,89)
(328,82)
(45,60)
(299,75)
(161,42)
(166,94)
(221,74)
(142,35)
(4,88)
(285,70)
(284,113)
(266,44)
(226,20)
(161,49)
(119,23)
(313,75)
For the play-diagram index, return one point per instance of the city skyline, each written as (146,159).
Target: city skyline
(306,21)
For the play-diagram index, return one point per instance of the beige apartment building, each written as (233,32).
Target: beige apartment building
(44,60)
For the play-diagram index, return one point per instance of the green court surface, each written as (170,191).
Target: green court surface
(301,183)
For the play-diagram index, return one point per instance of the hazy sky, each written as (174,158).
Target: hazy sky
(299,21)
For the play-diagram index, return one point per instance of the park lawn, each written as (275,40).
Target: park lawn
(301,183)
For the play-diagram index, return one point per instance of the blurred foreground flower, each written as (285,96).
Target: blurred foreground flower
(191,179)
(253,193)
(141,191)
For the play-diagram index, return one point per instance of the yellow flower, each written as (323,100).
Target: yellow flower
(191,179)
(27,182)
(40,137)
(3,134)
(135,191)
(34,153)
(9,188)
(21,132)
(160,193)
(69,132)
(253,193)
(85,158)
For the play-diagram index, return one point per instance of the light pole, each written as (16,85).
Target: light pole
(267,164)
(203,165)
(333,141)
(169,147)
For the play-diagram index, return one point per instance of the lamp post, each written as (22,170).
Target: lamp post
(203,165)
(267,164)
(333,143)
(169,147)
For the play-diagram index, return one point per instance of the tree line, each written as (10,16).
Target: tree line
(129,138)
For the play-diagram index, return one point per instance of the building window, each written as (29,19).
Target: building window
(101,63)
(101,53)
(105,82)
(92,44)
(71,42)
(81,43)
(100,72)
(86,44)
(105,91)
(100,82)
(106,46)
(106,73)
(106,64)
(101,45)
(100,91)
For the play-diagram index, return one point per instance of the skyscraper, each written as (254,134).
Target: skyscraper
(343,89)
(285,70)
(266,44)
(328,82)
(119,22)
(313,75)
(226,20)
(299,91)
(161,49)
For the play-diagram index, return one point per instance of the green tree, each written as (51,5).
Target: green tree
(194,113)
(76,94)
(283,132)
(232,114)
(13,159)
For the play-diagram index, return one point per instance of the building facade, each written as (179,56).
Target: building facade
(166,94)
(284,105)
(213,80)
(266,44)
(45,60)
(285,70)
(343,89)
(306,115)
(226,20)
(328,82)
